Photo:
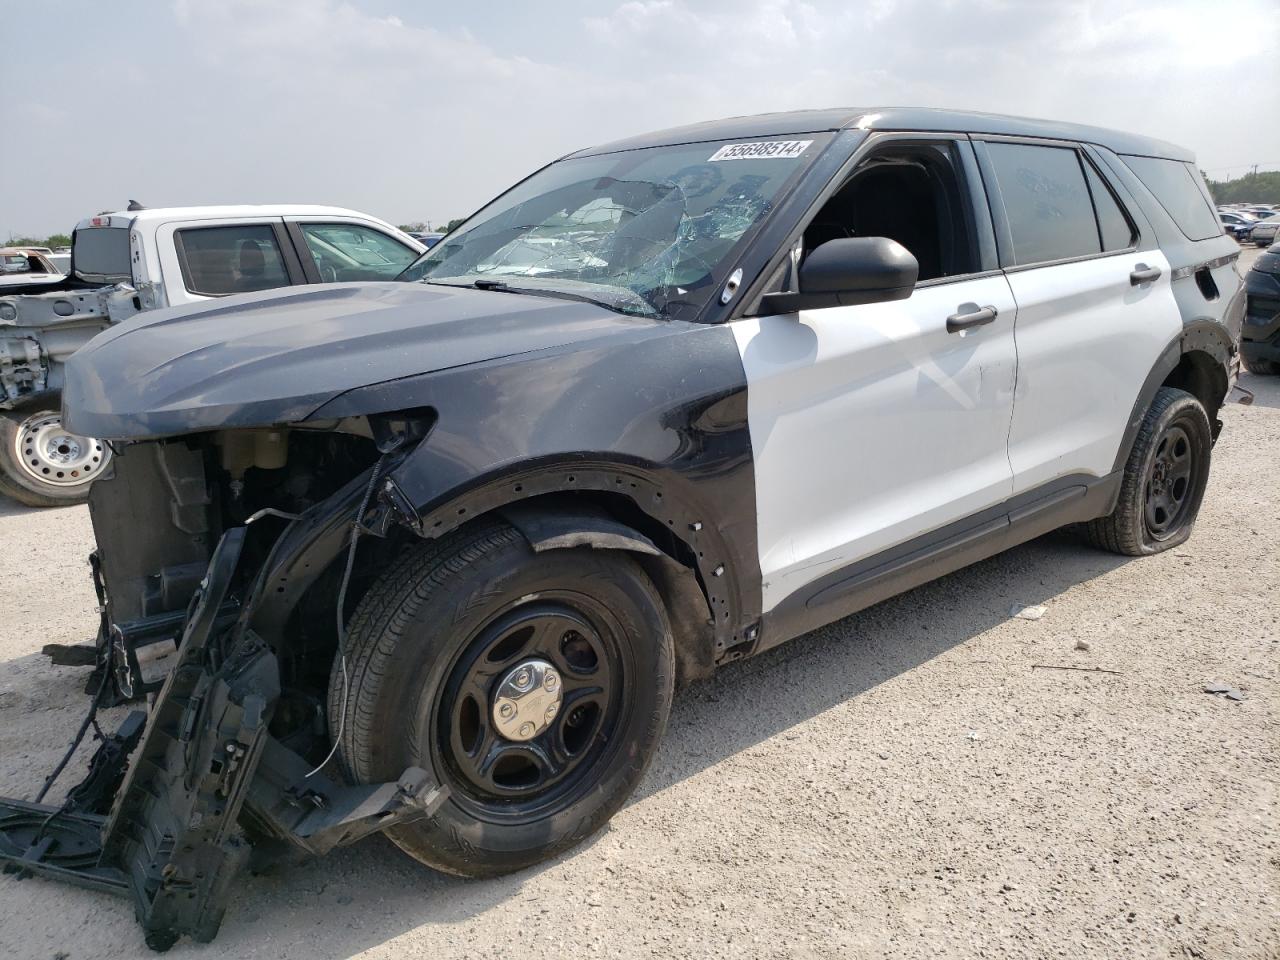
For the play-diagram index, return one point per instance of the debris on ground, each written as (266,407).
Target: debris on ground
(1054,666)
(1026,613)
(1226,690)
(1083,645)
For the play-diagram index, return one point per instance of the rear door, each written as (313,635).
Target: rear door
(203,259)
(1094,306)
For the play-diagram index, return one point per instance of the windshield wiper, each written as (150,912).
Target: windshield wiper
(501,286)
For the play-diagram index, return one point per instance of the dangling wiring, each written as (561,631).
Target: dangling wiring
(90,720)
(341,605)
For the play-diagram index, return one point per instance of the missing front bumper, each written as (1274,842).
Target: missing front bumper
(205,782)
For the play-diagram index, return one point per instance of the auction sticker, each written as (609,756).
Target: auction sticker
(762,150)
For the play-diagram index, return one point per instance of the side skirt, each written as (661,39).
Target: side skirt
(843,592)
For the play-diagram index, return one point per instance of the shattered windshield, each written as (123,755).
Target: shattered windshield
(652,232)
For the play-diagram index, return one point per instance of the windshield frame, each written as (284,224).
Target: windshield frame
(822,143)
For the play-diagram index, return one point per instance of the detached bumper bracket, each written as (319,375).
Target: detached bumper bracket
(204,771)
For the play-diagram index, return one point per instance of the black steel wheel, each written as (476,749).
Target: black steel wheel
(1164,479)
(1170,477)
(535,686)
(530,706)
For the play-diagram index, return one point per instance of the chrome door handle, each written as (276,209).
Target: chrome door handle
(1143,274)
(970,315)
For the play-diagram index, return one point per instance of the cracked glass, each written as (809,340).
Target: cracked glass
(653,232)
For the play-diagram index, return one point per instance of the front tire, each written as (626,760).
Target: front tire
(44,465)
(1164,479)
(535,686)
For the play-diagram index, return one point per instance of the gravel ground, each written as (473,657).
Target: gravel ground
(902,783)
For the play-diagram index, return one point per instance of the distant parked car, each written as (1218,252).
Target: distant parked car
(1260,334)
(1266,231)
(1238,225)
(428,239)
(26,265)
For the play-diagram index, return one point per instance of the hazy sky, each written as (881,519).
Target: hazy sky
(422,110)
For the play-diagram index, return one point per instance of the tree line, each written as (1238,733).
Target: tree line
(53,242)
(1261,187)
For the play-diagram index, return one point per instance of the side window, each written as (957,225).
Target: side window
(348,251)
(1046,202)
(217,261)
(1177,186)
(909,192)
(1114,228)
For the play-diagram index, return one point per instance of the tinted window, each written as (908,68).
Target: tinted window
(1116,231)
(1177,186)
(102,253)
(1046,202)
(346,251)
(217,261)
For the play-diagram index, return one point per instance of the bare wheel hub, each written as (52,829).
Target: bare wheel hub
(526,700)
(49,453)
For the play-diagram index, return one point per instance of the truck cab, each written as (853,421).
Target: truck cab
(136,260)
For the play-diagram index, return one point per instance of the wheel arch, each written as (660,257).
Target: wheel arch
(684,555)
(627,506)
(1198,360)
(558,522)
(1203,366)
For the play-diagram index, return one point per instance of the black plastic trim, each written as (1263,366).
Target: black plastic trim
(1069,499)
(1165,364)
(301,253)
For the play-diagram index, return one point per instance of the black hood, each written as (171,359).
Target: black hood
(276,357)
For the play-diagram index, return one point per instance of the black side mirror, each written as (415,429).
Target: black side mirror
(844,273)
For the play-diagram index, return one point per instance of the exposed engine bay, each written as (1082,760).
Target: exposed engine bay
(199,536)
(185,493)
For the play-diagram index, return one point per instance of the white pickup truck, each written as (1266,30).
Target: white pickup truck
(123,263)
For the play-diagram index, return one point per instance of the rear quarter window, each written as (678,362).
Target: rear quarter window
(1177,186)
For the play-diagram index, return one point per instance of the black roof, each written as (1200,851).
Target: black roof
(926,119)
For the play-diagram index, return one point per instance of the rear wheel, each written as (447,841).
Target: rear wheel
(44,465)
(535,687)
(1164,479)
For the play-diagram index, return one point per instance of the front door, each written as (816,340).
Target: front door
(874,424)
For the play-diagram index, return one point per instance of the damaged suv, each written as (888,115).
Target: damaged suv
(430,557)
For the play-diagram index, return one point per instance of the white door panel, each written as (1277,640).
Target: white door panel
(1086,340)
(871,425)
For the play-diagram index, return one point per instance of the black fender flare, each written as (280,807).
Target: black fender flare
(665,503)
(1211,337)
(551,525)
(1202,335)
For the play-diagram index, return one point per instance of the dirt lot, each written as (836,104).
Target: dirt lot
(904,783)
